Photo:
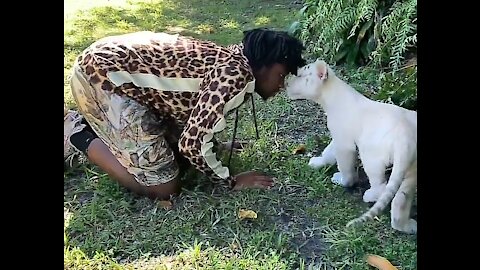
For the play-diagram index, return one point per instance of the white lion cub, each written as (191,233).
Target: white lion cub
(384,134)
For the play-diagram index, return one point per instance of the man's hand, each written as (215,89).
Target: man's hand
(237,146)
(252,179)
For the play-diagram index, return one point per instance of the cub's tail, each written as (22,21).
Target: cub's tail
(401,163)
(391,189)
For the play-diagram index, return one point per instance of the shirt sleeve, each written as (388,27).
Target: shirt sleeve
(222,90)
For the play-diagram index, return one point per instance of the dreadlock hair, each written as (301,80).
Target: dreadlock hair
(264,47)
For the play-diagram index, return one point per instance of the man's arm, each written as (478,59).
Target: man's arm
(222,90)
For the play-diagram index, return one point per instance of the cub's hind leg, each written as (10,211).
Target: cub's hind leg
(402,204)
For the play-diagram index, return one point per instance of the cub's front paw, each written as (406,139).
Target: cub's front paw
(338,179)
(316,162)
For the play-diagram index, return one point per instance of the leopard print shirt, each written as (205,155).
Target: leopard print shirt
(194,83)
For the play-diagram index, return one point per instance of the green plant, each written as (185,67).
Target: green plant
(359,31)
(399,88)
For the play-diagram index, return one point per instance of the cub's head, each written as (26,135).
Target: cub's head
(309,81)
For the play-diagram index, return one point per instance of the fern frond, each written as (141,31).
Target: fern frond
(329,24)
(365,11)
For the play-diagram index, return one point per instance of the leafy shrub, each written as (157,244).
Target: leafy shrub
(399,88)
(359,31)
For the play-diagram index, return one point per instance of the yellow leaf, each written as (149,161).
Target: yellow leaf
(299,149)
(233,246)
(380,262)
(246,214)
(167,205)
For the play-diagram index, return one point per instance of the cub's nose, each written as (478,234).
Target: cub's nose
(287,81)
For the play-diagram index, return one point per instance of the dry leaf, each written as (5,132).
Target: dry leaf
(380,262)
(299,149)
(246,214)
(233,246)
(167,205)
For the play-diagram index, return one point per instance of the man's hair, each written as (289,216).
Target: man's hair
(264,47)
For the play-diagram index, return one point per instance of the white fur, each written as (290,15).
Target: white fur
(384,134)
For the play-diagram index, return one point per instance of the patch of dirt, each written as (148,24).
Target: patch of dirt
(307,119)
(304,231)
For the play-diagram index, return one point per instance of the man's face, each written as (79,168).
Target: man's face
(270,80)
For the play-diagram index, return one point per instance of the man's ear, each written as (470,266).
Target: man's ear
(322,69)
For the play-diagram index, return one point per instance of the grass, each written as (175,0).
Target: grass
(301,221)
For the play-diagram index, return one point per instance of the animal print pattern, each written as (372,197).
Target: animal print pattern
(192,84)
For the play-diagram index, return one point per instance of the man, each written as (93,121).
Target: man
(150,103)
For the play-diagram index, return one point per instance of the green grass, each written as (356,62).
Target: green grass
(301,221)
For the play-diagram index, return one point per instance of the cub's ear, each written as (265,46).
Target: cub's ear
(322,69)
